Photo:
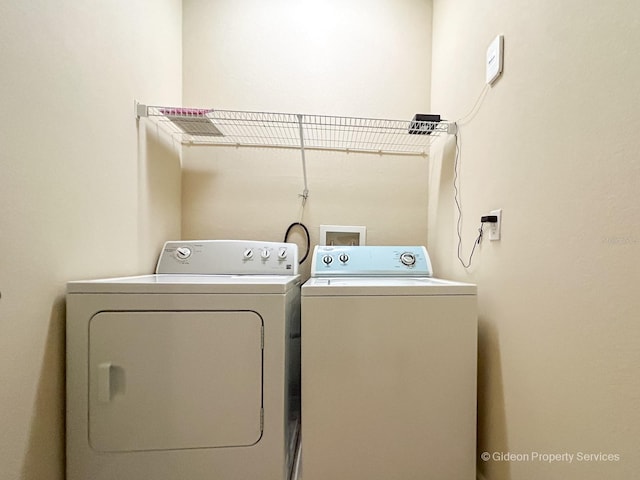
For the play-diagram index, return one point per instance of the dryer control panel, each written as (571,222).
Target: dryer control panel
(371,261)
(228,257)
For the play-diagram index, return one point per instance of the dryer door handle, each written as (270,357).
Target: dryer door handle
(104,382)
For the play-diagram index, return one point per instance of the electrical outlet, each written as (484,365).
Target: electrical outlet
(494,228)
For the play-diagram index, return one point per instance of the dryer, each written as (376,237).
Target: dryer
(388,368)
(192,372)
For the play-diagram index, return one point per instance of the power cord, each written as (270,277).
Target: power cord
(456,197)
(305,196)
(456,180)
(476,107)
(306,233)
(476,242)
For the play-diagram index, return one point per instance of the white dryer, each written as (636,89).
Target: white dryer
(388,368)
(191,373)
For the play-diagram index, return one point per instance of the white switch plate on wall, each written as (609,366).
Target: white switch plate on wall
(494,59)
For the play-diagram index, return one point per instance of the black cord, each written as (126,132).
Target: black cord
(475,244)
(459,208)
(306,232)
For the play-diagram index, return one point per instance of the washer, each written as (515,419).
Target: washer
(388,368)
(189,373)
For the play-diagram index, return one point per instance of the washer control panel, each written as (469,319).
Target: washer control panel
(371,261)
(228,257)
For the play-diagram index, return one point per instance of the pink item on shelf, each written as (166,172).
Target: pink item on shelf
(185,112)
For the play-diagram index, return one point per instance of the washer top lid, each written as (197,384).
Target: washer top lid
(402,261)
(381,286)
(187,284)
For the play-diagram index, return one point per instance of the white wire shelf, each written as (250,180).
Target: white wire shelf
(196,126)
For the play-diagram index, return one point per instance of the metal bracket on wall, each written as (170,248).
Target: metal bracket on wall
(140,110)
(305,192)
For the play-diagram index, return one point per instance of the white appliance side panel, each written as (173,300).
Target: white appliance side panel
(389,387)
(174,380)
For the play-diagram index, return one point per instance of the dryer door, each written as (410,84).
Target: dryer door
(174,380)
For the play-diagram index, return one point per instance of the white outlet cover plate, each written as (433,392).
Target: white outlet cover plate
(494,228)
(494,59)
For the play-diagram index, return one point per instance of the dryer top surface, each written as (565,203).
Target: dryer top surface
(188,284)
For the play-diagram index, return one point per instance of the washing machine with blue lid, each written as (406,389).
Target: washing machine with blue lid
(388,367)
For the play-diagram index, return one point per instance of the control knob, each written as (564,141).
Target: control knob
(265,253)
(182,253)
(327,259)
(282,253)
(344,258)
(248,253)
(408,259)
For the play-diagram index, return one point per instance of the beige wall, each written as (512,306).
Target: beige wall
(80,194)
(358,58)
(555,144)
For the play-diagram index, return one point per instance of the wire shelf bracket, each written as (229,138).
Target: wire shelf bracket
(305,192)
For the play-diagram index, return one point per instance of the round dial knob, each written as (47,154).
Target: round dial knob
(344,258)
(248,253)
(327,259)
(408,259)
(182,253)
(282,253)
(265,253)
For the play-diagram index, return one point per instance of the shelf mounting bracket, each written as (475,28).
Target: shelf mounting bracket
(140,110)
(305,192)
